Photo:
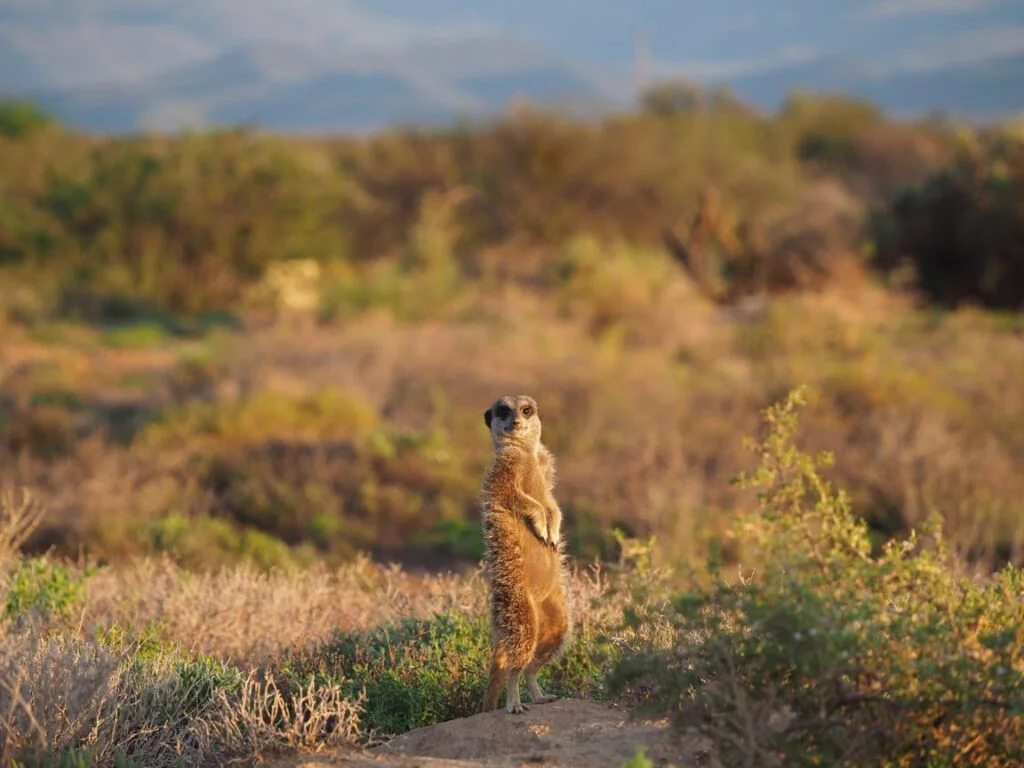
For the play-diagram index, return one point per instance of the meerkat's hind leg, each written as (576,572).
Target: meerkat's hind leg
(537,695)
(553,634)
(513,702)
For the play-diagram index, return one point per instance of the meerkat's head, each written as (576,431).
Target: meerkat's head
(514,419)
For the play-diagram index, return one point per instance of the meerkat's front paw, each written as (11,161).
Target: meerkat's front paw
(516,709)
(547,698)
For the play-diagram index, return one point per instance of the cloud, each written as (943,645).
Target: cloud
(83,43)
(85,53)
(314,22)
(888,9)
(731,68)
(971,47)
(234,22)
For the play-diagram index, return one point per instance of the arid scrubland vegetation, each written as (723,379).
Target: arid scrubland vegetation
(242,372)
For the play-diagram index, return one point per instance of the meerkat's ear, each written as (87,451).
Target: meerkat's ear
(488,415)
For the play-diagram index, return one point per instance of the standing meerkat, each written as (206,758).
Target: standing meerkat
(530,622)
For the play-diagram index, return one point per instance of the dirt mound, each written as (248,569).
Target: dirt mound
(565,733)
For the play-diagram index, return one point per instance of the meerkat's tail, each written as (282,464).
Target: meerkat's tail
(495,683)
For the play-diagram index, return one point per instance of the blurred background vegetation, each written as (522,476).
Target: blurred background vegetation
(233,345)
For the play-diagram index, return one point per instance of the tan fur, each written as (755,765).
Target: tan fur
(530,621)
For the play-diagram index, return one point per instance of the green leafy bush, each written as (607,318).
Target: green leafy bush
(827,127)
(122,226)
(824,653)
(415,673)
(418,672)
(131,226)
(639,760)
(20,118)
(961,229)
(317,472)
(42,587)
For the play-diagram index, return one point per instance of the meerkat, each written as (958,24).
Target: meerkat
(524,555)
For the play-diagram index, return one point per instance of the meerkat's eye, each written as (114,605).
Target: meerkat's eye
(503,411)
(528,411)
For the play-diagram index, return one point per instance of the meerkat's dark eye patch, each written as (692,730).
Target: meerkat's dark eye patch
(502,412)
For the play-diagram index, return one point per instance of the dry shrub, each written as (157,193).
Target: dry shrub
(815,241)
(55,692)
(246,616)
(103,687)
(20,516)
(806,246)
(265,720)
(66,694)
(891,156)
(46,431)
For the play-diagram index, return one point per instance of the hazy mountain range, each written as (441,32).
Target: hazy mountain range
(323,65)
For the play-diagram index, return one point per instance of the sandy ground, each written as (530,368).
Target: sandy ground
(568,733)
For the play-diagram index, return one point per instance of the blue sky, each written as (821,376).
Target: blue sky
(76,43)
(729,31)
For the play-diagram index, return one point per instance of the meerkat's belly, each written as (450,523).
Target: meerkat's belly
(541,566)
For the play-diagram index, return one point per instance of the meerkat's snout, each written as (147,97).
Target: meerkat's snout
(512,426)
